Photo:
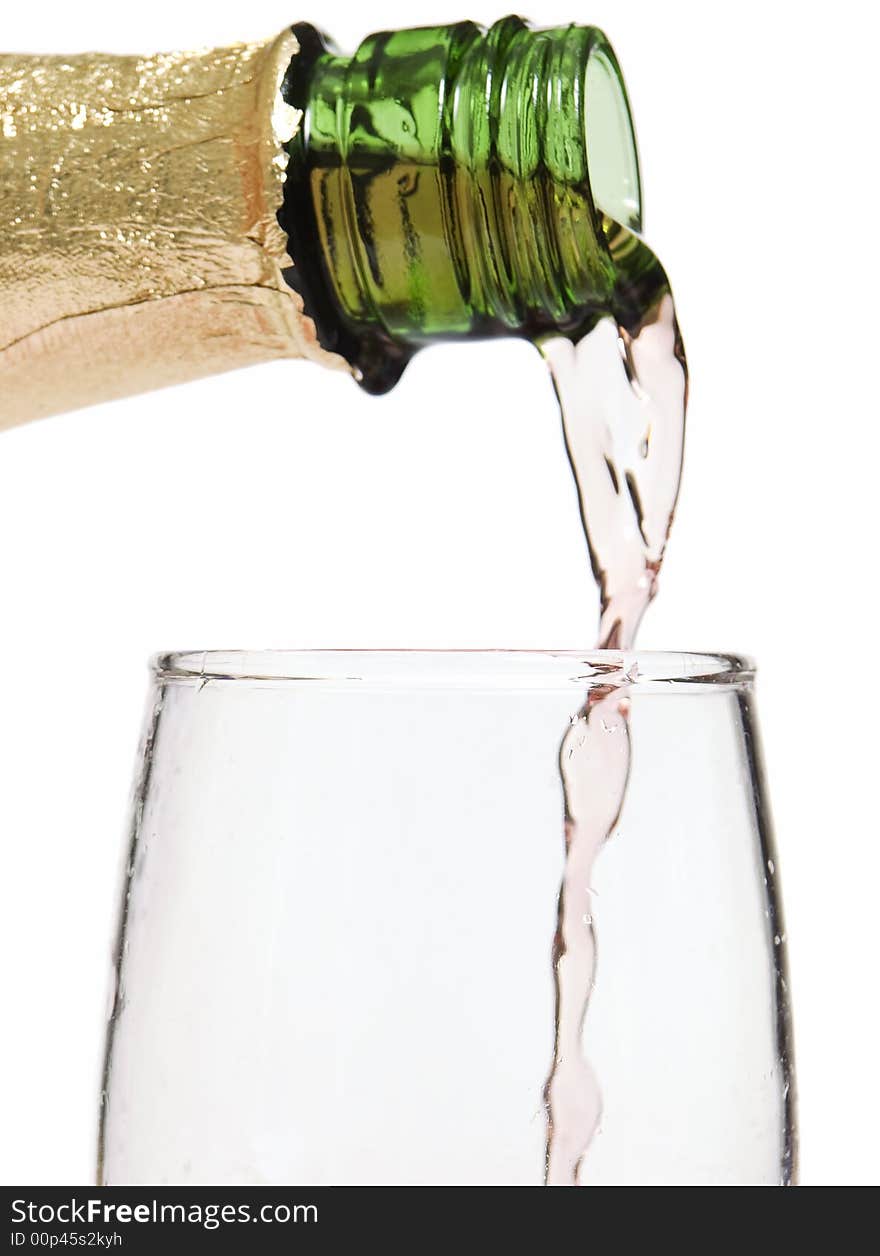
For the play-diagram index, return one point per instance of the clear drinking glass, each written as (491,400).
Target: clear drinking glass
(339,926)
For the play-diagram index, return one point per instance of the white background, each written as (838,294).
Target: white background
(279,506)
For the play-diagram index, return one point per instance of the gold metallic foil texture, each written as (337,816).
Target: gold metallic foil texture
(139,245)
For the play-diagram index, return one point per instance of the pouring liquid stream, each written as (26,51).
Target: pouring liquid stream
(621,384)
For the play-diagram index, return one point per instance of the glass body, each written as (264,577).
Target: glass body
(335,962)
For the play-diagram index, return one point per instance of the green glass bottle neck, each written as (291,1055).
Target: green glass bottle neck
(459,183)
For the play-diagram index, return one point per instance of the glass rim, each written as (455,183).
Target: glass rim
(638,670)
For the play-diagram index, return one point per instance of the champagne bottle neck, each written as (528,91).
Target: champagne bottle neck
(459,183)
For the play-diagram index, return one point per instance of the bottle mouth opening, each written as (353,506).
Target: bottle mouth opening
(612,152)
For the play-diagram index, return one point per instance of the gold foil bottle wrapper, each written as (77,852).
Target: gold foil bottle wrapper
(139,245)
